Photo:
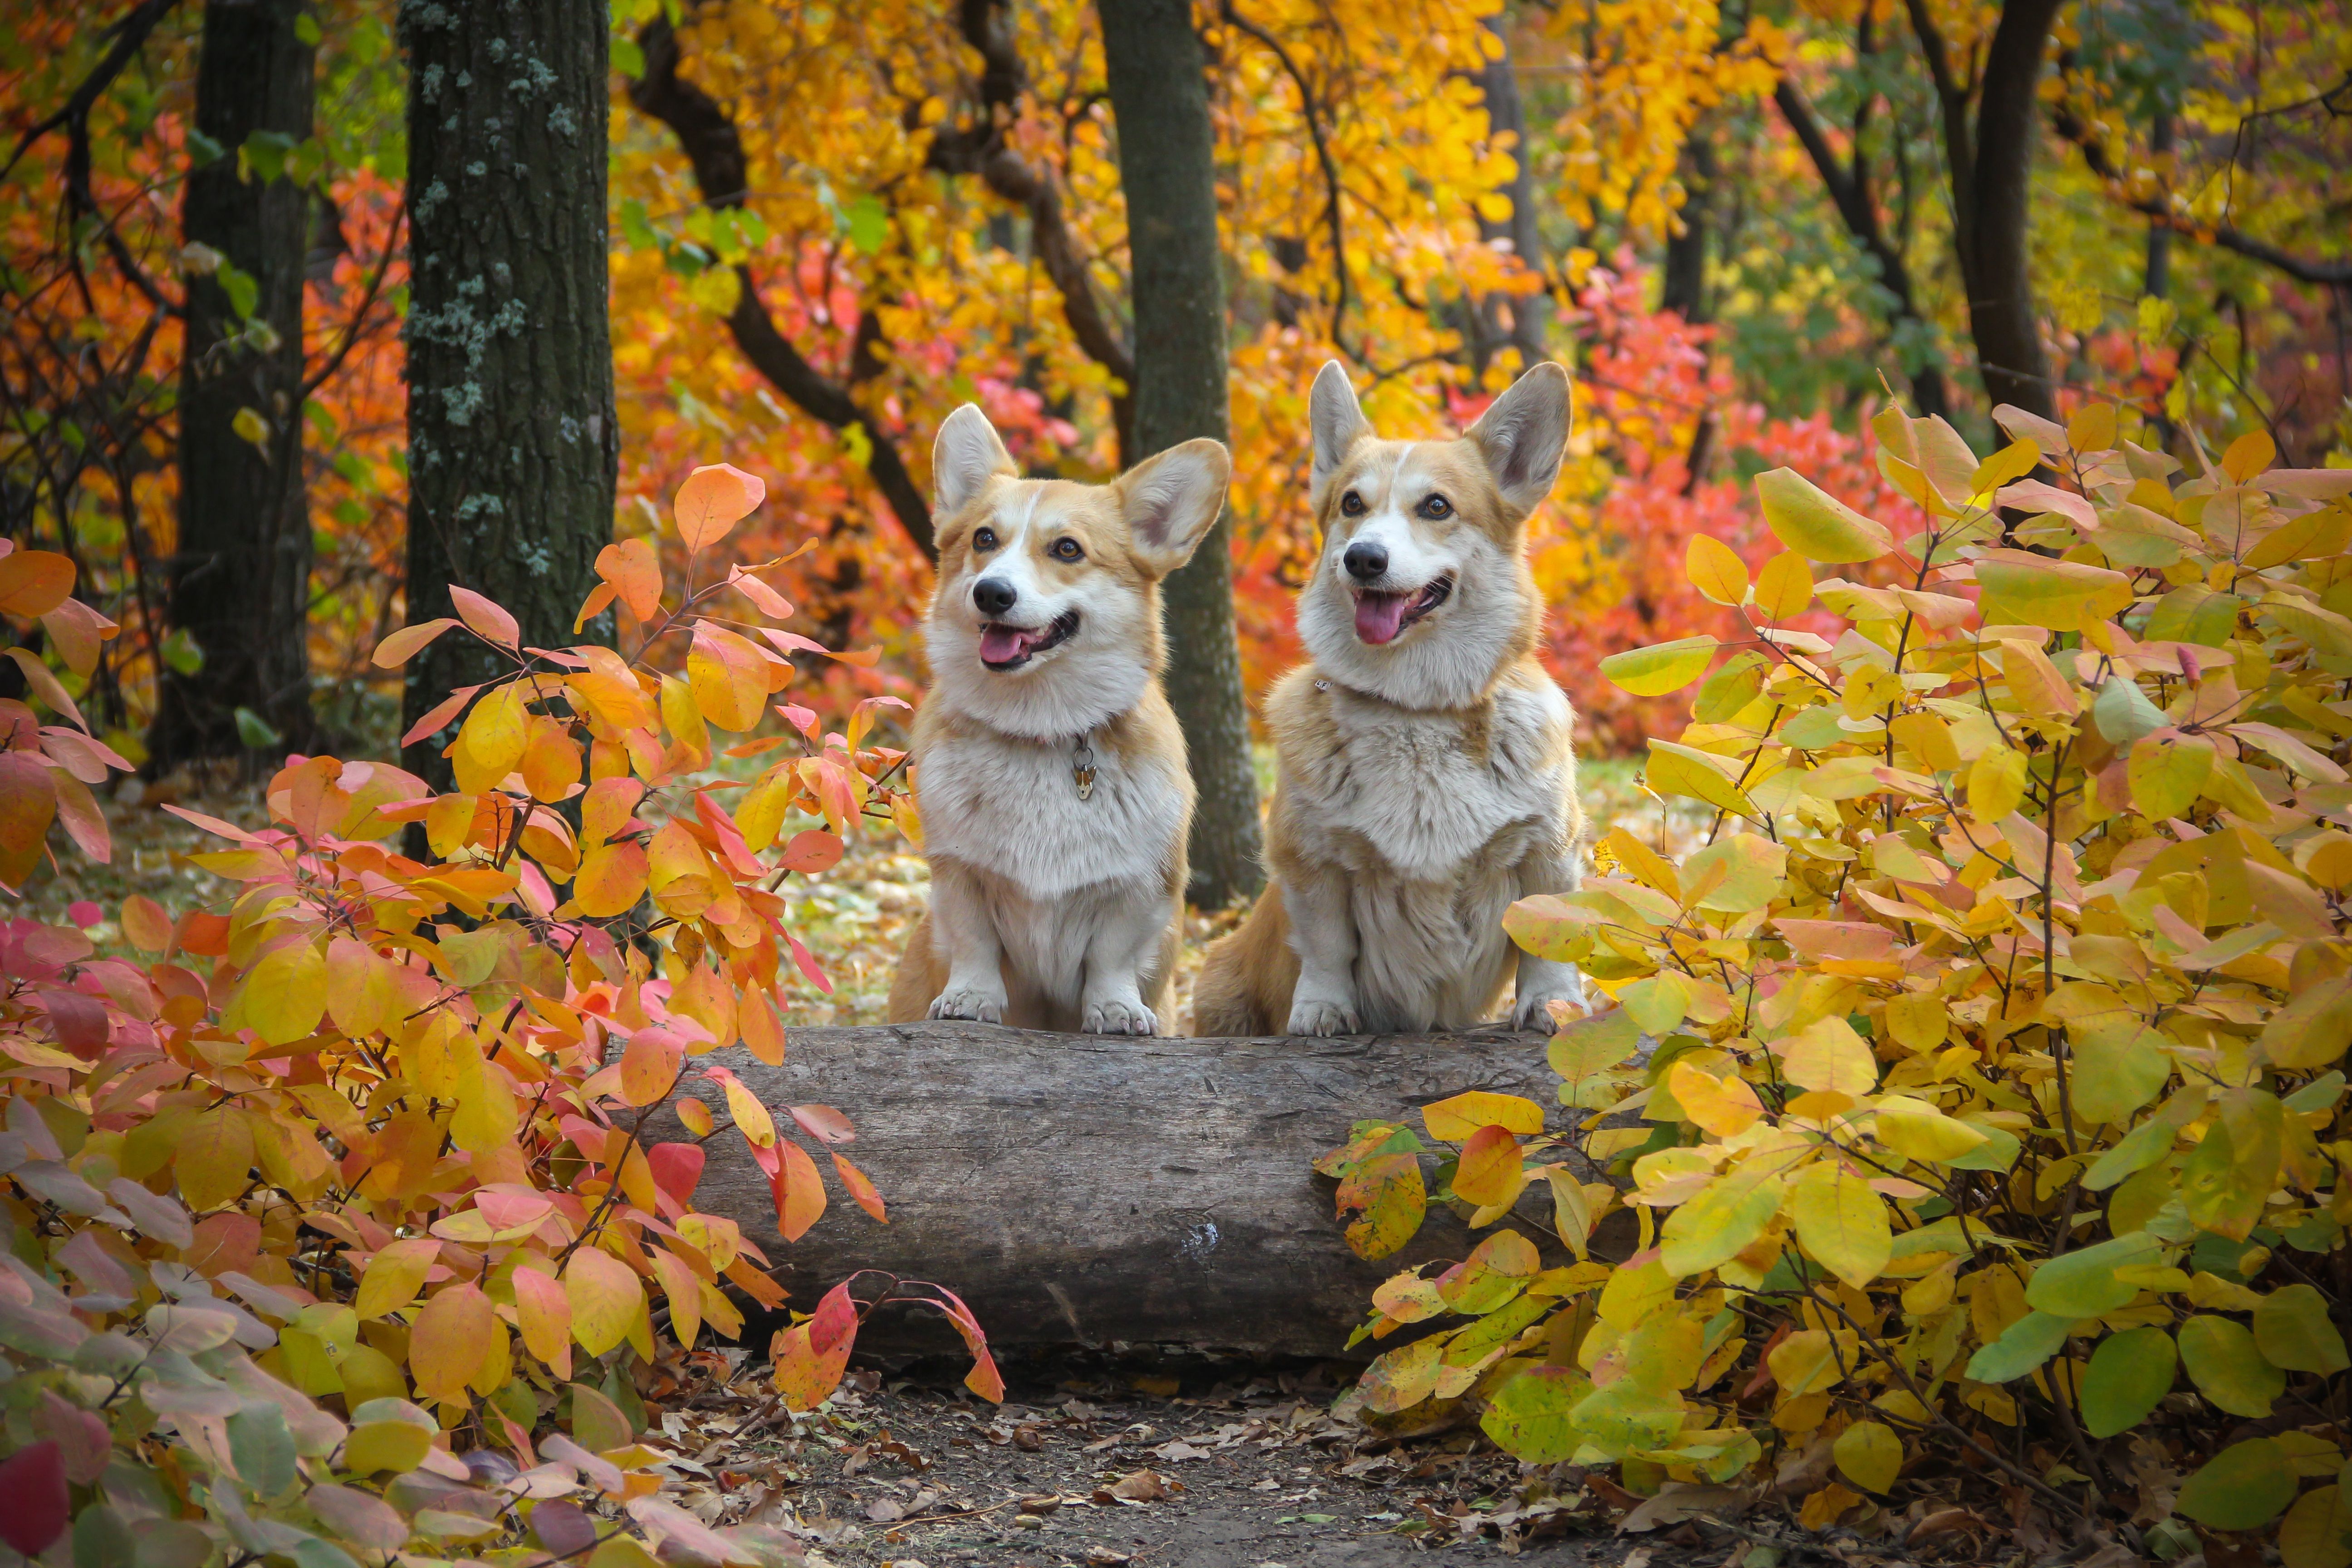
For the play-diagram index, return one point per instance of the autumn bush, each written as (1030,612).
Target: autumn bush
(334,1225)
(1978,1090)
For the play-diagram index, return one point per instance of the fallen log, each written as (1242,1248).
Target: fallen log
(1081,1188)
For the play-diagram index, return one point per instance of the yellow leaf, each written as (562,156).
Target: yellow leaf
(1917,1131)
(359,987)
(1785,586)
(606,1299)
(2248,455)
(1676,769)
(2166,771)
(611,879)
(1868,1454)
(1456,1118)
(1715,570)
(285,994)
(1996,783)
(1815,524)
(545,1314)
(1752,868)
(393,1276)
(214,1164)
(1827,1054)
(1721,1221)
(2318,1530)
(1664,667)
(491,740)
(1841,1223)
(751,1118)
(2025,589)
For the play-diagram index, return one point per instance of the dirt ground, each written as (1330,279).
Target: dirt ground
(1097,1466)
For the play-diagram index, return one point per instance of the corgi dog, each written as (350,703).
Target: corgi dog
(1049,771)
(1425,766)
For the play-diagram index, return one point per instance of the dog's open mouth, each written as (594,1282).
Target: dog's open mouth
(1003,647)
(1382,616)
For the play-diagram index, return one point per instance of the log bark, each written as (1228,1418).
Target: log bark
(1079,1188)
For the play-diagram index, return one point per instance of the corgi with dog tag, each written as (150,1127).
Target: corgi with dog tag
(1049,771)
(1425,765)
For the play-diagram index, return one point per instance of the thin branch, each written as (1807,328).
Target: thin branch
(334,362)
(1322,155)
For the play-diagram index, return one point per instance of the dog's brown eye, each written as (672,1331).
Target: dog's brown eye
(1067,550)
(1436,506)
(985,540)
(1351,505)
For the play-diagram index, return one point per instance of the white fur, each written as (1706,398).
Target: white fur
(1460,840)
(965,455)
(1337,422)
(1448,659)
(1173,500)
(1524,434)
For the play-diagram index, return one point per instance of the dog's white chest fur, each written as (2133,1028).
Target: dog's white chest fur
(1437,835)
(1411,786)
(1009,807)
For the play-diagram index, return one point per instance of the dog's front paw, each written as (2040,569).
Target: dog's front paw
(1115,1016)
(1312,1016)
(970,1002)
(1533,1009)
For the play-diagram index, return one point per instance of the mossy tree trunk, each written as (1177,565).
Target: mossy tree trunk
(513,445)
(1160,95)
(240,570)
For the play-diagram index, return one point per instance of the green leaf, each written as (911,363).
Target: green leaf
(180,653)
(256,731)
(869,224)
(1815,524)
(1752,870)
(2124,713)
(262,1448)
(2227,1367)
(243,292)
(263,158)
(1530,1416)
(1662,667)
(2118,1070)
(2130,1372)
(1730,689)
(306,28)
(628,58)
(2292,1330)
(2023,1346)
(2243,1487)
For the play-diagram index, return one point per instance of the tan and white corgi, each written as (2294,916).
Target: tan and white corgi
(1425,767)
(1048,767)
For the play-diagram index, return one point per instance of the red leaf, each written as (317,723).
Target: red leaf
(442,712)
(861,1192)
(80,1021)
(33,1498)
(808,965)
(835,1321)
(677,1168)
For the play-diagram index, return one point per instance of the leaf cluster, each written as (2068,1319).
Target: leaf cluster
(1978,1089)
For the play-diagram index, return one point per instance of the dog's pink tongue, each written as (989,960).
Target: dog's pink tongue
(1000,645)
(1379,617)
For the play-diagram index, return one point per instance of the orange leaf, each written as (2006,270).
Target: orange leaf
(729,678)
(713,500)
(488,621)
(45,684)
(34,581)
(452,1337)
(145,923)
(612,879)
(799,1192)
(861,1191)
(763,1031)
(1488,1171)
(598,597)
(633,568)
(768,602)
(649,1065)
(407,642)
(751,1118)
(825,1124)
(360,994)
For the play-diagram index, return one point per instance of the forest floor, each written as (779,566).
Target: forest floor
(1192,1462)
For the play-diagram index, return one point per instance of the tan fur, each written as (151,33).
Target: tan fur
(1422,903)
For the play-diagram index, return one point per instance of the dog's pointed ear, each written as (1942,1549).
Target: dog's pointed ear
(1523,436)
(1169,502)
(1337,421)
(964,456)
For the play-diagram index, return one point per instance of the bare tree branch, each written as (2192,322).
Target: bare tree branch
(1332,213)
(715,149)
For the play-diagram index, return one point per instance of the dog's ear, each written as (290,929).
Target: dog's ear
(1337,421)
(965,455)
(1169,501)
(1524,434)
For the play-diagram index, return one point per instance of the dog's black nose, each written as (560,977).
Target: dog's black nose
(995,596)
(1365,561)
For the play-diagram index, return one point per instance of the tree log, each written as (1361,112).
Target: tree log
(1087,1189)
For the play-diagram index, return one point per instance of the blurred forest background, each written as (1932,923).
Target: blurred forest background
(1742,226)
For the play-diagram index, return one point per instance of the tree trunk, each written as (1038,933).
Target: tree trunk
(240,573)
(1499,85)
(513,447)
(1991,168)
(1683,289)
(1159,97)
(1078,1188)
